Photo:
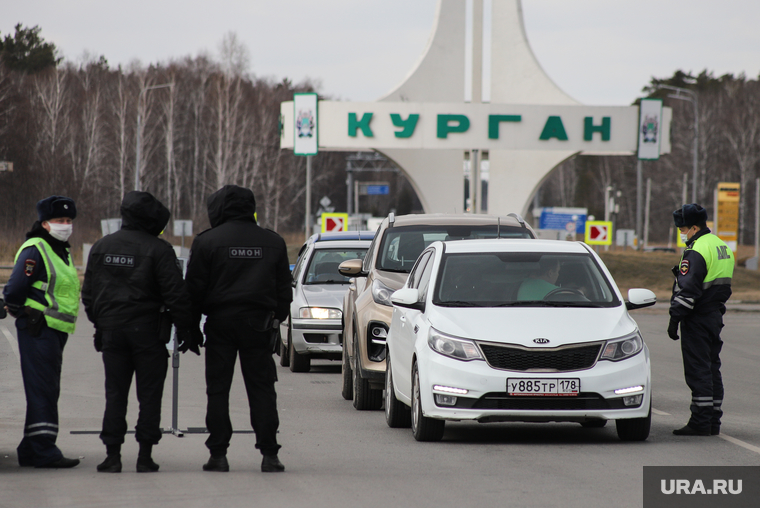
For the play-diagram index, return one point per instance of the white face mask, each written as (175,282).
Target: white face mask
(684,237)
(60,232)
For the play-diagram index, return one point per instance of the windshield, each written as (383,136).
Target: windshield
(401,246)
(522,280)
(323,266)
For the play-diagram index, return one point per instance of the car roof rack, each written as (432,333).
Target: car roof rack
(519,219)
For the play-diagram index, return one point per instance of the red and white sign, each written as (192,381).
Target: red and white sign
(599,232)
(334,222)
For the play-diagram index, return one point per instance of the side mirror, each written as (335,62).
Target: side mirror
(639,298)
(352,268)
(409,298)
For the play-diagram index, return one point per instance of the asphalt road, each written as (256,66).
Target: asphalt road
(337,456)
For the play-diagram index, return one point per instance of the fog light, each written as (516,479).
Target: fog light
(633,400)
(445,400)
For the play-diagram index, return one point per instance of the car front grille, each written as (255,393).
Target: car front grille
(496,400)
(561,359)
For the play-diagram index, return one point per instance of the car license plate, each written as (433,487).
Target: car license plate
(544,387)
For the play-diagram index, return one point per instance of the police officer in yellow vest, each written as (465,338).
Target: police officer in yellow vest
(700,292)
(43,294)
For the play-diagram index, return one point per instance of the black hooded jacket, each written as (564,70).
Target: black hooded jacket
(132,273)
(238,269)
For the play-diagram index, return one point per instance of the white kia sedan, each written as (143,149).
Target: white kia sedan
(516,330)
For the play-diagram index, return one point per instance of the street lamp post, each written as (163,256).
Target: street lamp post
(137,133)
(685,94)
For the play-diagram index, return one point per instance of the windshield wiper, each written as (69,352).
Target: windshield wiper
(393,270)
(317,283)
(457,303)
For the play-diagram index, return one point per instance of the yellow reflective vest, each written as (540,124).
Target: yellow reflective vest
(61,290)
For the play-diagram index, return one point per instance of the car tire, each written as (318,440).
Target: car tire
(397,414)
(365,398)
(594,424)
(635,429)
(347,390)
(284,353)
(298,362)
(423,428)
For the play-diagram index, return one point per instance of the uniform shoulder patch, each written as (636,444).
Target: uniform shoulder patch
(684,268)
(245,252)
(29,266)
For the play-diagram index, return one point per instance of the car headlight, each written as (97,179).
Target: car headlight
(625,347)
(453,347)
(381,293)
(319,313)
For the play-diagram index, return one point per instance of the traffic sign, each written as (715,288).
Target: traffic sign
(599,232)
(333,222)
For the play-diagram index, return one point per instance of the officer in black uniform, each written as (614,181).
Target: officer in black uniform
(239,277)
(700,292)
(131,277)
(43,294)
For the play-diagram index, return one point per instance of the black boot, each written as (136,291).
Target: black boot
(686,430)
(145,463)
(271,464)
(112,464)
(217,463)
(62,463)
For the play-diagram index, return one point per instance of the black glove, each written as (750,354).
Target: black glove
(673,329)
(98,340)
(189,339)
(3,312)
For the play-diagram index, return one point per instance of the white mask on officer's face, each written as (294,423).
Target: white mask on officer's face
(60,232)
(684,237)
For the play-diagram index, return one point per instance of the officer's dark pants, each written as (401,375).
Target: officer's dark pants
(41,360)
(259,374)
(700,346)
(135,350)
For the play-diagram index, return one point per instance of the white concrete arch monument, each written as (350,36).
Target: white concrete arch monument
(451,103)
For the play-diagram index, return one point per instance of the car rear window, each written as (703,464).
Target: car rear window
(402,245)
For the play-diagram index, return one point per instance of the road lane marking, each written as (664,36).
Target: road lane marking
(11,340)
(737,442)
(741,443)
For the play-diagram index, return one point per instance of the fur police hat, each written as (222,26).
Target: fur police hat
(689,215)
(55,207)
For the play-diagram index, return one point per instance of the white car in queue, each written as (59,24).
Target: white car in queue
(516,330)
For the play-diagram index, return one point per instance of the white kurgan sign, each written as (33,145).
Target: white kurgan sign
(305,122)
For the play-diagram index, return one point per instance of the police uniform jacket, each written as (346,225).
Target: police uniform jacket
(132,274)
(237,268)
(30,268)
(703,277)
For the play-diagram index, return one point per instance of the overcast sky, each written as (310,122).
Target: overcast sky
(600,52)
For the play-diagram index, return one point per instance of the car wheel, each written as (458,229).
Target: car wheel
(594,424)
(635,429)
(347,391)
(298,362)
(365,398)
(284,353)
(397,414)
(423,428)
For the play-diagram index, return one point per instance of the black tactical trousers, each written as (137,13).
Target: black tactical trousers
(700,346)
(223,345)
(135,350)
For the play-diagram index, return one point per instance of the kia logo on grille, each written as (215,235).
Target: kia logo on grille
(541,341)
